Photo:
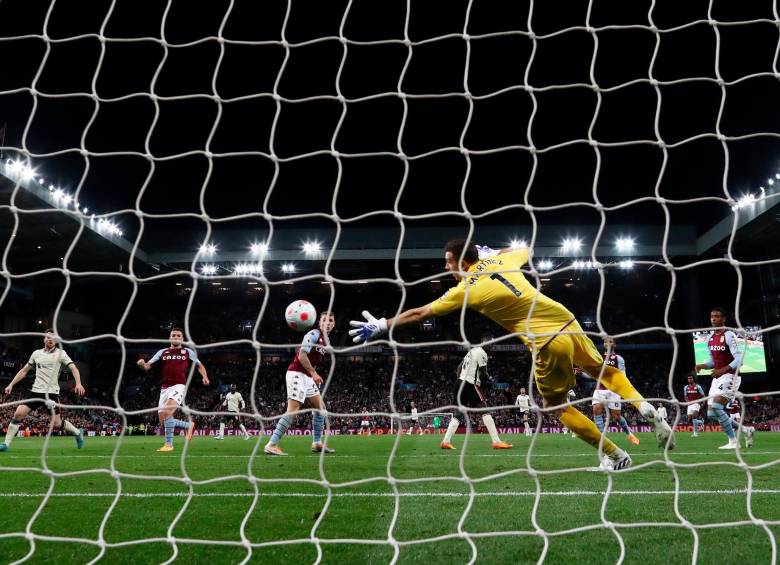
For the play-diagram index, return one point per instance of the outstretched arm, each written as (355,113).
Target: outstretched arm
(374,327)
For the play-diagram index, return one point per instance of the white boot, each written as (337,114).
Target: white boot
(732,444)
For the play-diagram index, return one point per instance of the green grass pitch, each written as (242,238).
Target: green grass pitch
(502,523)
(754,361)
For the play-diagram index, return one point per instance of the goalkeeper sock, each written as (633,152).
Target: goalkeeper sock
(169,427)
(618,382)
(487,419)
(69,428)
(13,427)
(585,429)
(317,422)
(624,425)
(717,411)
(599,420)
(221,429)
(281,428)
(243,429)
(451,429)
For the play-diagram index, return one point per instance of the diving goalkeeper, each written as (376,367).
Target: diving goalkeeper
(495,287)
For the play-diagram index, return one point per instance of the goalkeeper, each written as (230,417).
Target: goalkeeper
(494,286)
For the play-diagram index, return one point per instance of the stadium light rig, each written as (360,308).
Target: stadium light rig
(517,244)
(311,247)
(626,264)
(248,269)
(258,248)
(208,249)
(208,270)
(571,244)
(545,265)
(585,265)
(288,268)
(624,244)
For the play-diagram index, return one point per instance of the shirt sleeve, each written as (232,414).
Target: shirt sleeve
(450,301)
(310,340)
(731,339)
(621,363)
(701,390)
(516,259)
(193,356)
(32,359)
(156,357)
(241,400)
(685,392)
(65,358)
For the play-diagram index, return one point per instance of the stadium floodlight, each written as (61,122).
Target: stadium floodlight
(208,249)
(585,265)
(58,194)
(257,248)
(66,199)
(517,244)
(777,176)
(770,182)
(311,247)
(288,268)
(626,264)
(571,244)
(28,174)
(745,200)
(208,270)
(85,210)
(41,181)
(624,244)
(545,265)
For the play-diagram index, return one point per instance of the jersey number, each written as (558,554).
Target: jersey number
(512,288)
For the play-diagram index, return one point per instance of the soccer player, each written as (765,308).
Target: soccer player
(661,410)
(235,403)
(495,287)
(724,360)
(734,409)
(523,402)
(692,392)
(468,393)
(605,399)
(45,390)
(303,387)
(414,422)
(365,423)
(175,361)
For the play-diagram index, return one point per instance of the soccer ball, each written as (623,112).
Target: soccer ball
(300,315)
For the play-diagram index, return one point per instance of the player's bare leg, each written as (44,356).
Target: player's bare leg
(284,423)
(13,427)
(616,416)
(68,428)
(169,424)
(317,425)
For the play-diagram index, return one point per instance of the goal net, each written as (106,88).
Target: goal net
(170,167)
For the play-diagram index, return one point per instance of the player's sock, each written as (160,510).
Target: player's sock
(221,429)
(618,382)
(585,429)
(169,427)
(624,425)
(451,429)
(13,427)
(487,419)
(717,411)
(180,424)
(69,428)
(243,429)
(526,428)
(599,421)
(695,425)
(281,428)
(317,422)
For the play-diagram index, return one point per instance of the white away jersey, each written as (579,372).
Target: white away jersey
(234,402)
(47,369)
(414,414)
(523,402)
(473,361)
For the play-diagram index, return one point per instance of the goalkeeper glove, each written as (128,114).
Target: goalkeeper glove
(484,251)
(369,329)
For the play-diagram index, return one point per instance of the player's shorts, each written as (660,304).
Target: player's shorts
(725,385)
(610,400)
(469,395)
(300,386)
(232,417)
(42,401)
(176,392)
(735,417)
(556,358)
(365,424)
(694,408)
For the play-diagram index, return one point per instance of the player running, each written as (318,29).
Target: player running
(175,361)
(734,408)
(495,287)
(365,423)
(468,393)
(604,399)
(303,387)
(234,403)
(414,421)
(45,390)
(724,360)
(523,402)
(692,392)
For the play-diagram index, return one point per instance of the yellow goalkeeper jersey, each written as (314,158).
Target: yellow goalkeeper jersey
(496,288)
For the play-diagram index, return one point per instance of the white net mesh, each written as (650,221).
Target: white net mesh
(479,108)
